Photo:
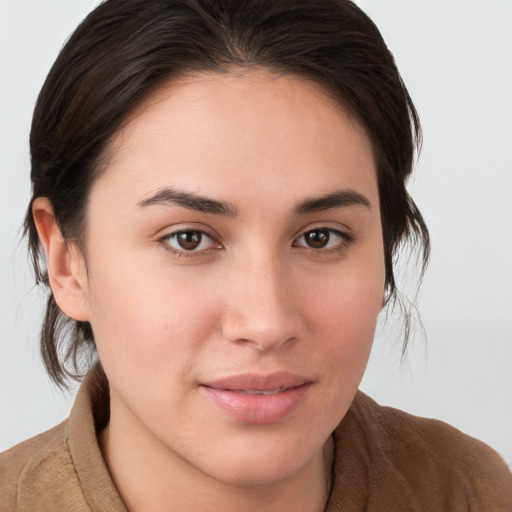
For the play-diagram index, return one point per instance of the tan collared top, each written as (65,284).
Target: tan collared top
(385,461)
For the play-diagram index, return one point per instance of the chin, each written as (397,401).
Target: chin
(261,460)
(247,472)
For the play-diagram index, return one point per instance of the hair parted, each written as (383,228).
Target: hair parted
(125,49)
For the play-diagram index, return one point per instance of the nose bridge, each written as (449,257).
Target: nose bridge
(260,307)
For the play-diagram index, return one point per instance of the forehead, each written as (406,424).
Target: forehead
(223,133)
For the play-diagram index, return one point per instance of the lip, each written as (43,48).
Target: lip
(257,399)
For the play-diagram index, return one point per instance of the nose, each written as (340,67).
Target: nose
(260,306)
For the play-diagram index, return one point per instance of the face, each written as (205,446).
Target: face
(235,272)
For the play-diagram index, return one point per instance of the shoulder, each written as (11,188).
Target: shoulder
(430,456)
(410,437)
(35,468)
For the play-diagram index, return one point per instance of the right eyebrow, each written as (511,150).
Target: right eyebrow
(171,196)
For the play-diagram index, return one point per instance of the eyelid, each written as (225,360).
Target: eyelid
(163,239)
(187,226)
(346,238)
(345,235)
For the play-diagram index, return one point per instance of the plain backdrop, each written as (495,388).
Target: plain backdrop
(455,57)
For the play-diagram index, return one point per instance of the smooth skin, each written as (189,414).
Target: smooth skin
(264,279)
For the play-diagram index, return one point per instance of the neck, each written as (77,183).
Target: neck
(150,476)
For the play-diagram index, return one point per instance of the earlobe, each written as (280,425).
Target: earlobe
(66,266)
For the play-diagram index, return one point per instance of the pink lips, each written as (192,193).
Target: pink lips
(258,399)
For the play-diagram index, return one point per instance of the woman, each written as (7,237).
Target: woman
(219,190)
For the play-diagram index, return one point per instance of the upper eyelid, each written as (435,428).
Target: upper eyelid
(342,231)
(166,234)
(164,241)
(170,231)
(336,227)
(347,236)
(345,242)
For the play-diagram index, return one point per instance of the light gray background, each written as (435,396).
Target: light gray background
(455,57)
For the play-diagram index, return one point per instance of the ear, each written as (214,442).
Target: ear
(66,266)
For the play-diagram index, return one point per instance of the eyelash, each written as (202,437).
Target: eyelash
(165,241)
(345,240)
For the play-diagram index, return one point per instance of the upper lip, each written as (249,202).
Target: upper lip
(252,381)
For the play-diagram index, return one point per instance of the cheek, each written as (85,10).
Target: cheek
(341,322)
(345,316)
(145,319)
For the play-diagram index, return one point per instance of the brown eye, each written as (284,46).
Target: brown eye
(317,238)
(324,239)
(189,241)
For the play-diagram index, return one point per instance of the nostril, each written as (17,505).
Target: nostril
(273,331)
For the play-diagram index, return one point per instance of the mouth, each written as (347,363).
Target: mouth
(251,382)
(260,391)
(256,399)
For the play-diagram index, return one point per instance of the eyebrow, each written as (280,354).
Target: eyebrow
(192,201)
(337,199)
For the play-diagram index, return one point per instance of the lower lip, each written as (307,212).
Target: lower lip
(258,409)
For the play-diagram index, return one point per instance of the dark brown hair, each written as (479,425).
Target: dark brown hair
(125,49)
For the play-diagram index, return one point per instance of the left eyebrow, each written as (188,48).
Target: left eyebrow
(338,199)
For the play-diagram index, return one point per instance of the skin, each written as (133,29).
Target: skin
(254,297)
